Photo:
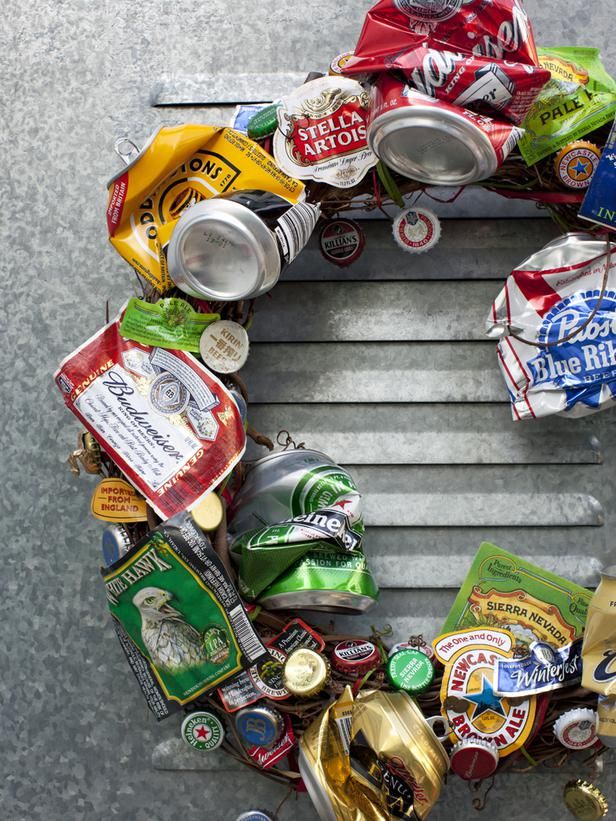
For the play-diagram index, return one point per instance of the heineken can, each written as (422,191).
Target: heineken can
(286,487)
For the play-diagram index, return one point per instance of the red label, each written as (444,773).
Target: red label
(266,758)
(116,203)
(314,140)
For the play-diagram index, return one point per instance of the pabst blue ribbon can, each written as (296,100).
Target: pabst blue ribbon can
(433,141)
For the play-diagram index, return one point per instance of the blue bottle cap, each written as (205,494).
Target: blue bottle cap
(259,725)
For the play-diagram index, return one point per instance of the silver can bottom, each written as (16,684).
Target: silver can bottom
(326,601)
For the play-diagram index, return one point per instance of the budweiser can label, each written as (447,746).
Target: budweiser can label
(322,132)
(499,30)
(556,299)
(473,82)
(390,94)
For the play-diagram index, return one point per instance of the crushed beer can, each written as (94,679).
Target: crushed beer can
(177,168)
(599,648)
(499,30)
(433,141)
(178,616)
(166,421)
(235,246)
(296,528)
(495,87)
(565,359)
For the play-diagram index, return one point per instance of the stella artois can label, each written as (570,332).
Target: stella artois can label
(322,132)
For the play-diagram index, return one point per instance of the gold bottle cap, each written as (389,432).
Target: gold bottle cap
(208,513)
(305,672)
(585,801)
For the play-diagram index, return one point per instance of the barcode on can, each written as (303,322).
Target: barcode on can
(343,714)
(248,640)
(295,227)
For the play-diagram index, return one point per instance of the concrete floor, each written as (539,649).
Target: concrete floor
(76,737)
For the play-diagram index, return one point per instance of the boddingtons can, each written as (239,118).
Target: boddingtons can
(290,484)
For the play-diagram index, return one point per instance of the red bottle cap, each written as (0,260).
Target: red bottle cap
(355,658)
(474,759)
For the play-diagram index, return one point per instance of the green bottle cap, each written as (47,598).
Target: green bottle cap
(264,122)
(410,670)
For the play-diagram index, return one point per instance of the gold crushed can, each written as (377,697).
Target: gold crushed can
(599,646)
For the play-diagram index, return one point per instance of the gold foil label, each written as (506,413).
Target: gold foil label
(599,647)
(114,500)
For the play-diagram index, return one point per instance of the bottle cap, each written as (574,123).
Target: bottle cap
(410,670)
(255,815)
(474,759)
(576,163)
(584,800)
(339,61)
(305,672)
(203,731)
(355,658)
(224,346)
(416,230)
(208,513)
(577,729)
(259,725)
(115,543)
(426,649)
(341,241)
(263,123)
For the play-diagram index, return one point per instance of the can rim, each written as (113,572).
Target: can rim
(272,456)
(347,602)
(318,795)
(450,123)
(258,238)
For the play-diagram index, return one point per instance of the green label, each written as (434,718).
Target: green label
(168,323)
(180,610)
(504,591)
(580,97)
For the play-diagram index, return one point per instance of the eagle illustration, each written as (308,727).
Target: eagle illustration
(172,643)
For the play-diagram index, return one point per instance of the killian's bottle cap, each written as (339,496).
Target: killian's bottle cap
(355,658)
(203,731)
(585,801)
(474,759)
(410,670)
(576,729)
(259,725)
(208,513)
(305,672)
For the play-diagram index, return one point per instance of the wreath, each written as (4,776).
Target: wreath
(202,558)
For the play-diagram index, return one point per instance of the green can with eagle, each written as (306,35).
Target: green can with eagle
(178,616)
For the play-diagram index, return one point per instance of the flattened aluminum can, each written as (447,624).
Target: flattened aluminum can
(291,483)
(433,141)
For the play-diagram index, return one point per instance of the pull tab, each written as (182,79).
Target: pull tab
(126,149)
(439,727)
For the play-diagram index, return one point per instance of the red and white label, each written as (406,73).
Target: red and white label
(168,423)
(321,132)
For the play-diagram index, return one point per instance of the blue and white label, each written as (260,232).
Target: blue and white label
(586,363)
(545,668)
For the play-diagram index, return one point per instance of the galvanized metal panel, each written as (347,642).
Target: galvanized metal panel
(427,434)
(385,371)
(375,311)
(218,88)
(468,249)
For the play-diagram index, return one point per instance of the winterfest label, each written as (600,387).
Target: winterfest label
(584,365)
(545,668)
(322,132)
(471,705)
